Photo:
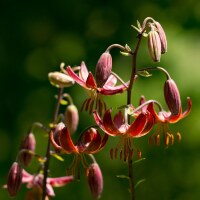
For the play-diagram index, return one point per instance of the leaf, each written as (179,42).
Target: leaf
(139,182)
(139,160)
(63,102)
(136,28)
(138,24)
(125,53)
(57,157)
(144,73)
(122,176)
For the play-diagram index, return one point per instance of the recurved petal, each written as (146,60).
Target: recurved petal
(99,121)
(90,82)
(118,119)
(83,73)
(136,128)
(60,181)
(109,125)
(174,119)
(89,141)
(113,90)
(111,82)
(75,77)
(66,142)
(54,143)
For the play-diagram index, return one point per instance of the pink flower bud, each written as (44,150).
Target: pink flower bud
(172,97)
(95,180)
(14,179)
(154,45)
(27,144)
(103,68)
(162,36)
(71,118)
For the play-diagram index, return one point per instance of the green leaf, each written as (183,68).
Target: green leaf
(139,182)
(138,24)
(139,160)
(136,28)
(125,53)
(144,73)
(57,157)
(63,102)
(122,176)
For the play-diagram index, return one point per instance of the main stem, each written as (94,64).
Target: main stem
(129,94)
(46,165)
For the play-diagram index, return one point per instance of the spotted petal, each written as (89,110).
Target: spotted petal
(90,82)
(59,181)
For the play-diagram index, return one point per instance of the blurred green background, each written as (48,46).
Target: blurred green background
(35,36)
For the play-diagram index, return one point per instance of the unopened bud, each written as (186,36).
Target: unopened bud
(29,145)
(103,68)
(172,97)
(154,45)
(60,80)
(14,179)
(95,180)
(162,36)
(71,118)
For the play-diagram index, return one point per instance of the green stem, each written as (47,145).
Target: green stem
(46,165)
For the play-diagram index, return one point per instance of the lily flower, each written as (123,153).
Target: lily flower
(87,81)
(119,127)
(89,142)
(163,118)
(36,181)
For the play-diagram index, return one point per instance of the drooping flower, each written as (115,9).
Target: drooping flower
(89,142)
(119,127)
(87,81)
(163,118)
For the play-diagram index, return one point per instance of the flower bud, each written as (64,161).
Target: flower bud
(27,144)
(95,180)
(154,45)
(71,118)
(14,179)
(60,80)
(172,97)
(103,68)
(162,36)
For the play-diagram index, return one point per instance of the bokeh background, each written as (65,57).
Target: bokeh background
(36,36)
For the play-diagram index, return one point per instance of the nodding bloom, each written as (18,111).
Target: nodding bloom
(163,118)
(35,182)
(119,127)
(87,81)
(89,142)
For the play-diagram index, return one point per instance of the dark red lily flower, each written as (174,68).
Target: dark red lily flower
(119,127)
(163,118)
(87,81)
(89,142)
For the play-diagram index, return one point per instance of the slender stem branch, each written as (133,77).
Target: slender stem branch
(46,165)
(129,94)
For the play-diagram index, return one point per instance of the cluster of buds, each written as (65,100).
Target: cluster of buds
(157,42)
